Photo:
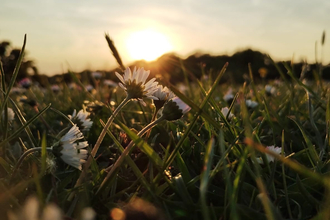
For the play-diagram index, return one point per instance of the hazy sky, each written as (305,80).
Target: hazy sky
(70,33)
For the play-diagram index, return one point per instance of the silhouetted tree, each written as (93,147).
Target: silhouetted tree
(9,58)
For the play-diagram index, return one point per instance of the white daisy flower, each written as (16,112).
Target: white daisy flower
(89,88)
(274,149)
(72,85)
(182,87)
(81,119)
(17,90)
(109,83)
(251,104)
(270,90)
(10,114)
(225,112)
(55,88)
(229,96)
(163,94)
(52,212)
(277,150)
(174,109)
(30,211)
(278,82)
(96,75)
(307,82)
(25,83)
(88,214)
(71,149)
(134,83)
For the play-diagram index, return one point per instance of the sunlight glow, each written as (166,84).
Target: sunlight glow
(147,45)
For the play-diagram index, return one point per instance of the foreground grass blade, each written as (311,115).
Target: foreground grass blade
(284,180)
(205,178)
(18,131)
(15,73)
(194,107)
(43,153)
(23,121)
(291,164)
(311,149)
(229,187)
(131,163)
(144,147)
(198,110)
(3,79)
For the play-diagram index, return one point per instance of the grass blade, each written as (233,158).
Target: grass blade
(15,73)
(18,131)
(205,178)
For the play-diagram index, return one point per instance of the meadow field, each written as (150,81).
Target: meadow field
(143,148)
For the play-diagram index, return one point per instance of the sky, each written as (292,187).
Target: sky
(69,34)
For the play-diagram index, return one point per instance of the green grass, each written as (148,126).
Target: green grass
(202,166)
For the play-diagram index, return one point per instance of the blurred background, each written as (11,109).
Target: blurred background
(66,35)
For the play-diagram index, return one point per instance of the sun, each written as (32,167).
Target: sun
(147,45)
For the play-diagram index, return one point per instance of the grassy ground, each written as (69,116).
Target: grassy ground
(205,165)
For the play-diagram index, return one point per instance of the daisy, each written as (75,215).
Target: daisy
(31,211)
(134,83)
(251,104)
(182,88)
(97,75)
(226,113)
(72,85)
(307,82)
(89,88)
(109,83)
(229,97)
(10,114)
(25,83)
(71,149)
(81,119)
(174,109)
(163,94)
(55,88)
(274,149)
(17,90)
(277,150)
(270,90)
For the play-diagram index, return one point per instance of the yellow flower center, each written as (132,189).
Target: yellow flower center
(135,91)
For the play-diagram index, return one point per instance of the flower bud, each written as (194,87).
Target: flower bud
(174,109)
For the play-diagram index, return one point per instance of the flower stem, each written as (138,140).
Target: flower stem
(104,131)
(25,154)
(126,152)
(153,119)
(98,143)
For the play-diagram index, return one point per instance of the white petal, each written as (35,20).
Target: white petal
(139,75)
(145,76)
(127,74)
(122,86)
(142,102)
(120,77)
(135,74)
(152,97)
(151,83)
